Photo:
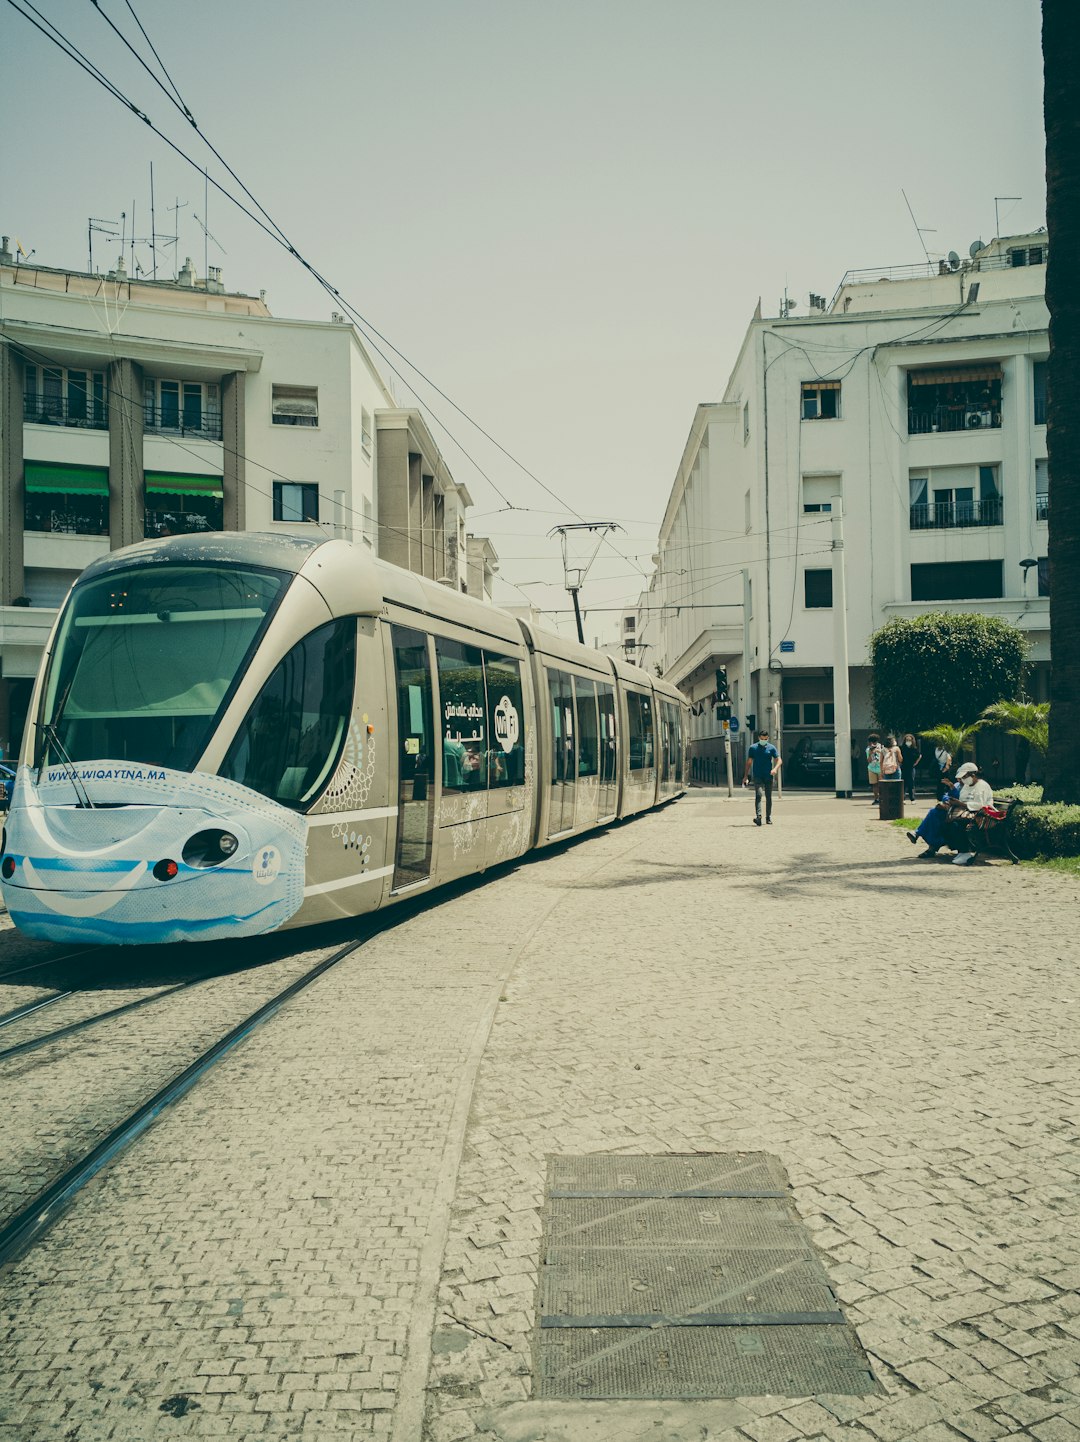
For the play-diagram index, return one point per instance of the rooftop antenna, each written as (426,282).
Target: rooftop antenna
(997,222)
(574,573)
(920,230)
(176,209)
(102,227)
(209,235)
(153,224)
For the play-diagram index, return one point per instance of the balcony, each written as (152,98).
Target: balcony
(951,515)
(951,418)
(84,412)
(193,422)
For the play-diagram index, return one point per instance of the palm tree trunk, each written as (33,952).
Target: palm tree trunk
(1061,102)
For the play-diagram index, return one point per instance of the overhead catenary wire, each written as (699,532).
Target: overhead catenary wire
(272,228)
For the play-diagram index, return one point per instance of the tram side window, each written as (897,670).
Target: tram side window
(677,738)
(588,761)
(639,709)
(290,740)
(563,766)
(464,726)
(506,720)
(609,748)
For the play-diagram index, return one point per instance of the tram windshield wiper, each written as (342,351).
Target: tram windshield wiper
(52,736)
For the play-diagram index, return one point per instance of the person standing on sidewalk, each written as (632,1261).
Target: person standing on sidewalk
(763,760)
(911,752)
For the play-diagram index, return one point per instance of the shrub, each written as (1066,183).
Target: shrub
(1045,830)
(943,668)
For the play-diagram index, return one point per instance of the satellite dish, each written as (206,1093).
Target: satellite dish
(954,260)
(974,248)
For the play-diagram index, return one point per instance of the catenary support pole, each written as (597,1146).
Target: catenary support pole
(841,698)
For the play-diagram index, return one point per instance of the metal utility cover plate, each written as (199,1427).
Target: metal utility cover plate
(702,1362)
(685,1276)
(590,1283)
(703,1175)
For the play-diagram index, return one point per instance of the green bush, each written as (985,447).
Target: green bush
(1045,830)
(943,668)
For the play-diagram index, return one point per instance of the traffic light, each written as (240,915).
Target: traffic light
(751,723)
(723,711)
(721,684)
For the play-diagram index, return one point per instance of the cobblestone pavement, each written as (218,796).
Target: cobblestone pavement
(336,1235)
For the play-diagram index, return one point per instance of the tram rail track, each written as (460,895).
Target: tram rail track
(31,1221)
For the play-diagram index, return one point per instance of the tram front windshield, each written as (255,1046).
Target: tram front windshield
(145,659)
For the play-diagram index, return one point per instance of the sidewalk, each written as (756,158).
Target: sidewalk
(337,1234)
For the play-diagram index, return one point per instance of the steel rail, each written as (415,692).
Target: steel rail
(88,1021)
(28,1008)
(22,1230)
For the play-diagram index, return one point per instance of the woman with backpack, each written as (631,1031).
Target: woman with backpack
(892,760)
(873,764)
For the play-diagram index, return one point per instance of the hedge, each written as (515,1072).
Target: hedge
(1040,830)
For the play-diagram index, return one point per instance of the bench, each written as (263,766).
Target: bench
(988,836)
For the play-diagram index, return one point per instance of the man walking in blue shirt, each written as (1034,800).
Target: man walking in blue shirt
(764,760)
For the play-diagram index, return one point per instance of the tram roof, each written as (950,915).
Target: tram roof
(280,552)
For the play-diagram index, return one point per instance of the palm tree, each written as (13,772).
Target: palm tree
(1029,720)
(955,739)
(1061,108)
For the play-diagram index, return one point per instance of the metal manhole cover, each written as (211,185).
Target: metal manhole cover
(685,1276)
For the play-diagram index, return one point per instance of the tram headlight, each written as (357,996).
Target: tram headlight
(209,848)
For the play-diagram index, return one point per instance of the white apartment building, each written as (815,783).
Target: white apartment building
(137,408)
(918,397)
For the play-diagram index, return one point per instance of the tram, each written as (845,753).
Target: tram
(238,732)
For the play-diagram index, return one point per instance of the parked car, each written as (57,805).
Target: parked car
(813,762)
(7,784)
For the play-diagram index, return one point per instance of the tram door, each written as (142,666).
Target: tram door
(564,753)
(609,751)
(416,756)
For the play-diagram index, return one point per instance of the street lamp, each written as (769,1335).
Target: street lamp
(1025,566)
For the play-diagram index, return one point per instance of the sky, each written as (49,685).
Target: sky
(562,213)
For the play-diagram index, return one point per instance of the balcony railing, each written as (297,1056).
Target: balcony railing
(84,412)
(952,418)
(1042,507)
(949,515)
(165,420)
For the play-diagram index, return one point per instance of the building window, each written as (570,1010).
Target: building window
(817,590)
(817,493)
(1038,382)
(68,500)
(1027,255)
(182,505)
(956,581)
(1044,575)
(746,423)
(629,623)
(1042,490)
(792,715)
(296,501)
(368,533)
(185,408)
(962,398)
(820,400)
(56,396)
(811,713)
(948,497)
(365,431)
(295,406)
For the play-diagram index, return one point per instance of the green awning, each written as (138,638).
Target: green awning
(171,484)
(84,480)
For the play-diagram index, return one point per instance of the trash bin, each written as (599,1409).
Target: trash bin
(891,799)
